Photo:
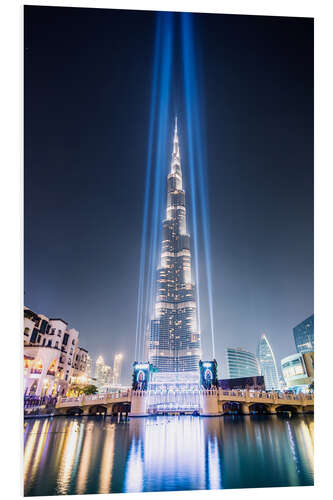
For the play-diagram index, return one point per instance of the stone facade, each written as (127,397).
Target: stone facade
(52,357)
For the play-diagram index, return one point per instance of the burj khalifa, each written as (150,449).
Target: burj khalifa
(174,337)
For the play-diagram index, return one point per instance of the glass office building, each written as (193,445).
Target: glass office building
(303,335)
(267,364)
(241,363)
(174,338)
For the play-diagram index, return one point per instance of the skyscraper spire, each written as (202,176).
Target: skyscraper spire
(175,152)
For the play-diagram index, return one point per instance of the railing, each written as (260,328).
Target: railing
(96,397)
(265,395)
(34,401)
(241,395)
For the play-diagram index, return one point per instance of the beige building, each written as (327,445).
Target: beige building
(52,356)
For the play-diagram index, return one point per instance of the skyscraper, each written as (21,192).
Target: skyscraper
(174,339)
(117,363)
(267,364)
(103,373)
(303,335)
(241,363)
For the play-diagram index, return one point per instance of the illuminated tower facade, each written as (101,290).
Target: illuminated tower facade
(174,337)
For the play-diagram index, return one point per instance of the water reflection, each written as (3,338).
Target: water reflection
(107,460)
(135,461)
(96,455)
(214,472)
(85,457)
(158,448)
(29,448)
(40,449)
(67,457)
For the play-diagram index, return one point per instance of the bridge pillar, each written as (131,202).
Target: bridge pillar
(138,404)
(272,409)
(209,403)
(299,409)
(109,409)
(86,410)
(245,409)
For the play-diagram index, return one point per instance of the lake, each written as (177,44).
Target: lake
(77,455)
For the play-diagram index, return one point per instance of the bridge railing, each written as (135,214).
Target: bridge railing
(242,394)
(95,397)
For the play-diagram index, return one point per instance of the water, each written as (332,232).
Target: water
(97,455)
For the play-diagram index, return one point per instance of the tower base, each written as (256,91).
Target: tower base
(138,404)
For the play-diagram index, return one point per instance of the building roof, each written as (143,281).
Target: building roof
(59,319)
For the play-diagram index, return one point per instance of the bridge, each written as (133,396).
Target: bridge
(107,404)
(246,402)
(212,402)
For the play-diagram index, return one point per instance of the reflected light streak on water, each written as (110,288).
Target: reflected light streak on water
(40,448)
(67,459)
(107,460)
(29,448)
(214,480)
(134,469)
(85,458)
(306,432)
(179,446)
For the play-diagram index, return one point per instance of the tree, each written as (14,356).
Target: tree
(89,389)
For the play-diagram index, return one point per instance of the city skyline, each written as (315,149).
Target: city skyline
(82,251)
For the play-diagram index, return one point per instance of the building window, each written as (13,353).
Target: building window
(38,339)
(43,326)
(65,339)
(34,335)
(26,331)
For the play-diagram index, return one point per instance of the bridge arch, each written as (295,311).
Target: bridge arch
(284,408)
(261,408)
(231,407)
(97,410)
(74,410)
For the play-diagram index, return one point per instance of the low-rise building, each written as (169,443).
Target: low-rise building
(298,370)
(52,356)
(256,383)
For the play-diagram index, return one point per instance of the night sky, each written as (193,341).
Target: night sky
(87,103)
